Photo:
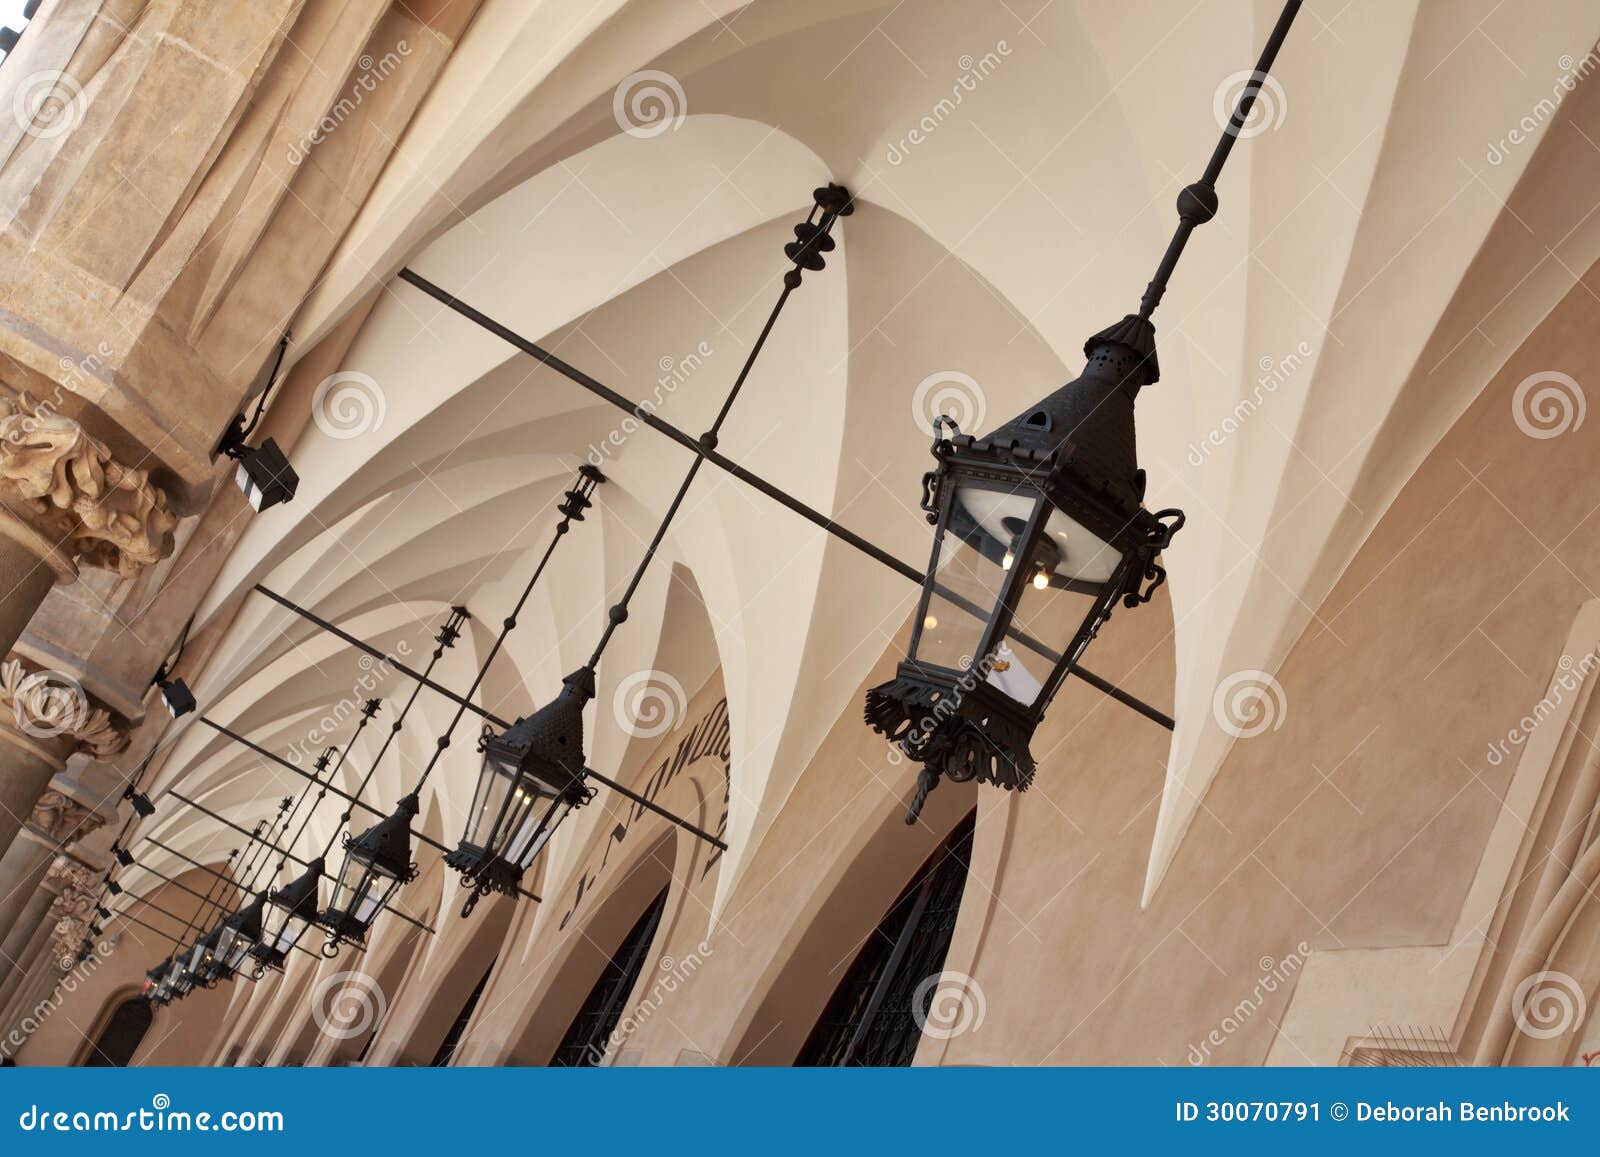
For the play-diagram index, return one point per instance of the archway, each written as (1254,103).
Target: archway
(876,1015)
(120,1034)
(588,1036)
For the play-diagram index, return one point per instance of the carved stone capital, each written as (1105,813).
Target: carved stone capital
(73,907)
(53,709)
(62,819)
(73,883)
(66,485)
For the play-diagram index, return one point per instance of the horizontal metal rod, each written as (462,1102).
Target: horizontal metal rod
(175,883)
(344,795)
(192,862)
(205,811)
(481,712)
(197,932)
(131,918)
(648,416)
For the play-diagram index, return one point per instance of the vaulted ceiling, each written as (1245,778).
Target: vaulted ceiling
(1382,245)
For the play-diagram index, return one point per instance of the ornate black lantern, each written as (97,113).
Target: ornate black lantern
(201,965)
(376,863)
(157,988)
(180,980)
(1041,531)
(290,910)
(532,776)
(238,934)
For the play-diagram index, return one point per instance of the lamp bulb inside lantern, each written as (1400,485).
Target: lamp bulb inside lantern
(1040,580)
(1005,563)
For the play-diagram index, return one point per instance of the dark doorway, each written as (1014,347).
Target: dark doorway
(121,1036)
(585,1043)
(870,1019)
(453,1037)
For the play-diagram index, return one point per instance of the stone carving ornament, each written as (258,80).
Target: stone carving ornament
(66,485)
(72,909)
(62,819)
(46,704)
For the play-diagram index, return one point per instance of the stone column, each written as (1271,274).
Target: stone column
(22,990)
(56,821)
(44,719)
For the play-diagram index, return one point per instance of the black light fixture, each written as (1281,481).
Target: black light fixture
(290,910)
(264,473)
(533,773)
(532,777)
(178,698)
(376,863)
(1041,531)
(239,934)
(156,988)
(175,692)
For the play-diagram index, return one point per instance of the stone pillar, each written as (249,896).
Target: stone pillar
(29,566)
(44,719)
(22,990)
(56,821)
(16,942)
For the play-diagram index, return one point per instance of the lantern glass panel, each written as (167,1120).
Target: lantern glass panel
(1048,610)
(973,555)
(542,816)
(232,948)
(1083,556)
(364,888)
(496,782)
(287,935)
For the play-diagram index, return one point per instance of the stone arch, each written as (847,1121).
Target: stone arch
(114,1019)
(846,904)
